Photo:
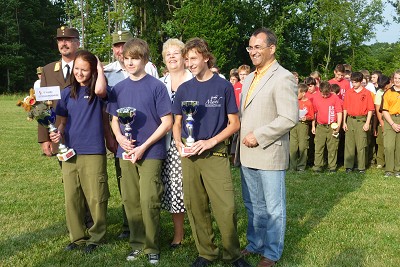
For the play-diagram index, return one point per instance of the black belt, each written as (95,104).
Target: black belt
(305,122)
(325,125)
(358,117)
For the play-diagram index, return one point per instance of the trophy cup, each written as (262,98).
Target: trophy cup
(189,108)
(46,117)
(334,126)
(126,116)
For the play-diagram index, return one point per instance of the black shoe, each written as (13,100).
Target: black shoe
(361,171)
(175,245)
(200,262)
(124,234)
(89,248)
(241,263)
(332,171)
(71,246)
(349,170)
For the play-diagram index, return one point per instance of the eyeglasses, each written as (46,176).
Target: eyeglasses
(256,48)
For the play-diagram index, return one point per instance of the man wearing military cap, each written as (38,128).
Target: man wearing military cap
(39,71)
(115,72)
(57,74)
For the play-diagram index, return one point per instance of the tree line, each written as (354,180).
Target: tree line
(313,34)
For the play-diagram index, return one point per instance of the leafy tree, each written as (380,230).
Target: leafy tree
(24,40)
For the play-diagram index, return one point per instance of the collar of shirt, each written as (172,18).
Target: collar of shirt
(64,69)
(263,70)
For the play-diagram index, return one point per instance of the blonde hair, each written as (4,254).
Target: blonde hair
(172,42)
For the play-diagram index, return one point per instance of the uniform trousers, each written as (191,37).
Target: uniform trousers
(125,226)
(391,141)
(85,177)
(323,136)
(141,189)
(207,180)
(356,140)
(299,143)
(380,152)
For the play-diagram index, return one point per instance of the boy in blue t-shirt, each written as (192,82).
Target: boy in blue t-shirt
(206,170)
(141,186)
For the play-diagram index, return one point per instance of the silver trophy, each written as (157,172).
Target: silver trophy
(190,109)
(126,116)
(47,117)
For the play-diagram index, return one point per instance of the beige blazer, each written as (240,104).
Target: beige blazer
(51,76)
(270,113)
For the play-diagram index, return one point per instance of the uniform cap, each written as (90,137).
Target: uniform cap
(39,70)
(67,32)
(121,37)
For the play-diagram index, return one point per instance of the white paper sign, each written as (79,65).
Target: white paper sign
(48,93)
(302,113)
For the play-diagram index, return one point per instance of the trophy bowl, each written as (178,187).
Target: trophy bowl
(190,109)
(126,116)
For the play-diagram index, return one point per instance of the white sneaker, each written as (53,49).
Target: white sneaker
(153,258)
(379,166)
(134,255)
(397,174)
(388,174)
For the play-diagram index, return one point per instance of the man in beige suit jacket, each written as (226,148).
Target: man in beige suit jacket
(269,109)
(55,74)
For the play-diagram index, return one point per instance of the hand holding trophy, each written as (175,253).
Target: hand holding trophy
(190,109)
(126,116)
(46,117)
(334,127)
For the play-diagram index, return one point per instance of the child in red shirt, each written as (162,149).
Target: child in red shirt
(328,114)
(358,106)
(299,135)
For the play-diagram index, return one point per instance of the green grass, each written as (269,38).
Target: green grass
(332,219)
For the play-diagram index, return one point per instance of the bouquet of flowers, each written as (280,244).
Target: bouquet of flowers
(33,107)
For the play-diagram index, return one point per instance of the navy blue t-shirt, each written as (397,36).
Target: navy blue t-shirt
(84,131)
(216,100)
(150,98)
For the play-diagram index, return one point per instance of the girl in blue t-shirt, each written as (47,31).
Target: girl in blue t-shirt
(80,116)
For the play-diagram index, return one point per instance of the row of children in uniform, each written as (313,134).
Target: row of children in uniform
(342,111)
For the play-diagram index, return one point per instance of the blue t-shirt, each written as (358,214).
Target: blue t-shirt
(216,100)
(150,98)
(84,131)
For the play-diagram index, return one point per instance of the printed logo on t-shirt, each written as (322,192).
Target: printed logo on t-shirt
(331,114)
(214,102)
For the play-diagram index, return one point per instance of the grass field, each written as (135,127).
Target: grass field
(332,219)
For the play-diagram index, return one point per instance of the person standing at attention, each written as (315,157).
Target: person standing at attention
(358,106)
(391,141)
(269,110)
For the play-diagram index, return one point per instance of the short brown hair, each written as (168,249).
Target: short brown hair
(201,47)
(325,87)
(303,88)
(136,48)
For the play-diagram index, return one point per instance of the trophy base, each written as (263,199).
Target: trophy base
(187,151)
(66,155)
(126,157)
